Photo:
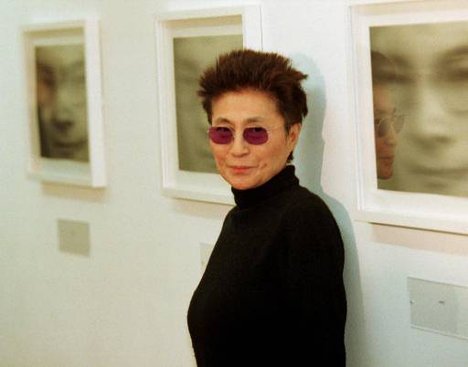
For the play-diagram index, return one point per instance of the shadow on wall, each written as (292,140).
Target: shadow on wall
(309,160)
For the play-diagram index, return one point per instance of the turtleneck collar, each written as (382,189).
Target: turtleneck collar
(251,197)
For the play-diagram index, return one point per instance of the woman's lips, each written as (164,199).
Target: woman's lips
(240,169)
(386,159)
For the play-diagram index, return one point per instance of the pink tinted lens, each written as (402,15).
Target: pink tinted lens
(220,135)
(255,135)
(384,127)
(252,135)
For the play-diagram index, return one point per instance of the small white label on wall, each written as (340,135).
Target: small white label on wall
(439,307)
(74,237)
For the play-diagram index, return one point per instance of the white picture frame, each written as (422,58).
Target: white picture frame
(195,178)
(376,204)
(77,158)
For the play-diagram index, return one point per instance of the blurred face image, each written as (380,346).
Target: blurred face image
(431,91)
(191,56)
(61,101)
(260,145)
(387,124)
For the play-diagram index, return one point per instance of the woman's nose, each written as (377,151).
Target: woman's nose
(239,146)
(428,120)
(63,116)
(391,138)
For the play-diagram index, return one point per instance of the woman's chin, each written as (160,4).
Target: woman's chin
(242,183)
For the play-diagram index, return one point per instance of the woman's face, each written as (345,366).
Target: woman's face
(432,92)
(243,165)
(61,97)
(384,145)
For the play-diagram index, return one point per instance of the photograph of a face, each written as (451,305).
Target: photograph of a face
(61,101)
(192,55)
(420,100)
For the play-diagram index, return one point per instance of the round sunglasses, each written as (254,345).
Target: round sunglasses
(383,125)
(224,135)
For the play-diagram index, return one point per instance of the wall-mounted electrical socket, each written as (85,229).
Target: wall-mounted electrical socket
(74,237)
(439,307)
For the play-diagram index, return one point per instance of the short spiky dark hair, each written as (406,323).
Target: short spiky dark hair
(383,69)
(266,72)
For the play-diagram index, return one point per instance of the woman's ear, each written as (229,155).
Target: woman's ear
(293,134)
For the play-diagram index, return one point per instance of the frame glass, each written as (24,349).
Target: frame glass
(188,42)
(410,70)
(64,102)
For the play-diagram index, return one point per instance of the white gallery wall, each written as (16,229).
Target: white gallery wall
(125,304)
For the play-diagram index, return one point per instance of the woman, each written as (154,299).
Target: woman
(387,124)
(61,101)
(272,293)
(387,121)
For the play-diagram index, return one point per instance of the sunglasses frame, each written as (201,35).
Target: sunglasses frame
(395,121)
(244,131)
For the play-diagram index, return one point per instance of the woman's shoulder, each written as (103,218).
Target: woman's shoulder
(307,209)
(302,199)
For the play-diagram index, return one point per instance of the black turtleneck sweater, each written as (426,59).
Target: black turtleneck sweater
(272,293)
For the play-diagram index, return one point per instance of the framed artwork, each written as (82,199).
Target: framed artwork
(63,77)
(410,70)
(187,43)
